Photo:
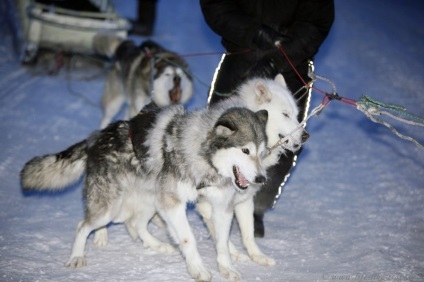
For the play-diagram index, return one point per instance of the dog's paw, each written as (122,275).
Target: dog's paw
(158,221)
(75,262)
(238,256)
(229,273)
(160,247)
(199,272)
(100,238)
(263,260)
(165,248)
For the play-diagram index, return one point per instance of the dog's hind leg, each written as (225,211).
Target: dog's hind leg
(158,221)
(177,222)
(84,228)
(205,210)
(100,237)
(236,255)
(244,212)
(138,225)
(131,230)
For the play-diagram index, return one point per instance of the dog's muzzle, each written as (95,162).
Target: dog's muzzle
(305,136)
(175,92)
(296,146)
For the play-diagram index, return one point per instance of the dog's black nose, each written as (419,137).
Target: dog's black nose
(305,136)
(260,179)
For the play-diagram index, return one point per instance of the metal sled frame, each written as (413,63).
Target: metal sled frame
(64,29)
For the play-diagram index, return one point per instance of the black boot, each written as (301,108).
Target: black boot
(145,22)
(259,225)
(269,192)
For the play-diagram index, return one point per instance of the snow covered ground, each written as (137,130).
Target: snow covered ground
(353,208)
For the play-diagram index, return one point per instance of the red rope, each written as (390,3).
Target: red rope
(327,96)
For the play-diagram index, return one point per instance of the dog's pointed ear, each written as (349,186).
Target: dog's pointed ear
(280,79)
(263,95)
(262,115)
(225,127)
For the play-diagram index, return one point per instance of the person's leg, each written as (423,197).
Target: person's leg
(146,16)
(228,75)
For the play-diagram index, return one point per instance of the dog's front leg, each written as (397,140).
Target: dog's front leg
(244,215)
(205,210)
(222,216)
(176,219)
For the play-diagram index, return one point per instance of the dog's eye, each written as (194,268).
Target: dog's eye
(246,151)
(286,115)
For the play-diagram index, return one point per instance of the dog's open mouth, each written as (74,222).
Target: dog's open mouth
(175,92)
(241,181)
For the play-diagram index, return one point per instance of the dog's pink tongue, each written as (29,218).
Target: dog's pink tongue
(242,180)
(175,92)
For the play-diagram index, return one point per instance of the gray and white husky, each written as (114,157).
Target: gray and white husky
(156,163)
(217,204)
(134,70)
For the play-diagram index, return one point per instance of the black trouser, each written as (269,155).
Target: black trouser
(234,70)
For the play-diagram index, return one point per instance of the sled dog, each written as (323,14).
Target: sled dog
(217,203)
(156,163)
(131,76)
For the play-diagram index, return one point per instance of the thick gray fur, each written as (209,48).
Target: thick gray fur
(129,181)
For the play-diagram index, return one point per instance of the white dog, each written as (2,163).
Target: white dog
(217,204)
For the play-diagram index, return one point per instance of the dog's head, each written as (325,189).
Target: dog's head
(237,146)
(276,98)
(171,85)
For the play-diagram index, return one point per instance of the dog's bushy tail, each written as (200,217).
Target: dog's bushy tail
(56,171)
(105,44)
